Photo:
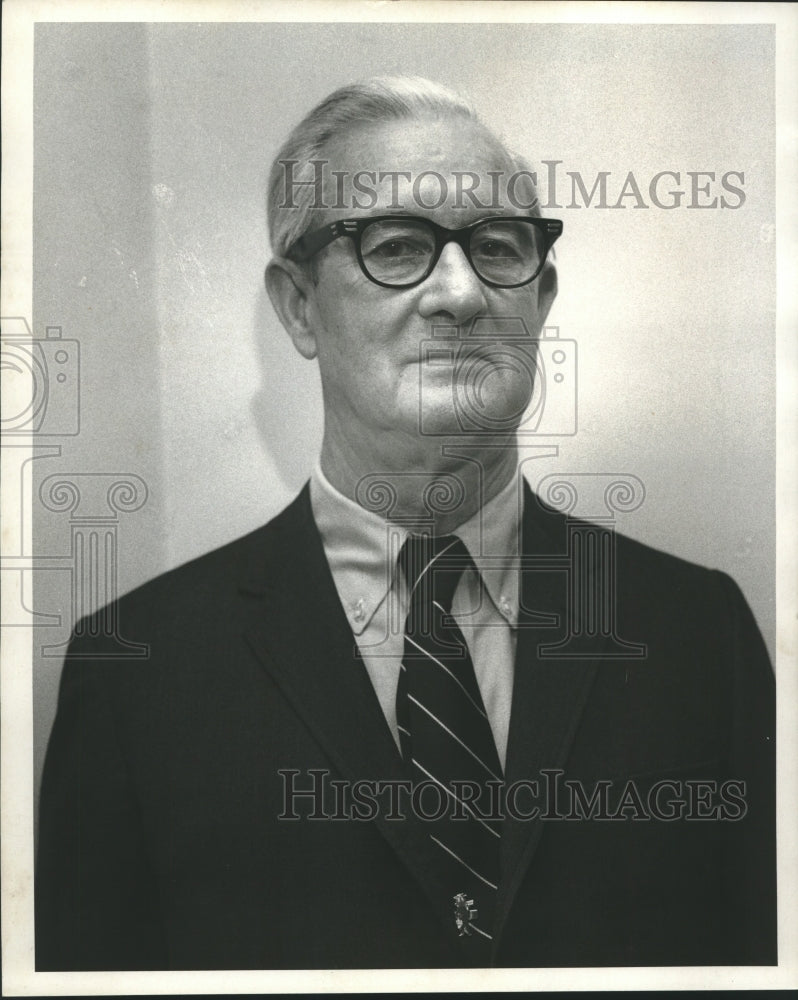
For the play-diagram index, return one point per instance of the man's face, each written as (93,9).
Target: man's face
(371,340)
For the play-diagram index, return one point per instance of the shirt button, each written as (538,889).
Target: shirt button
(507,608)
(358,611)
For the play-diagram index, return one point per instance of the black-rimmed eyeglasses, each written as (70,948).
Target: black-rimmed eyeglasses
(400,251)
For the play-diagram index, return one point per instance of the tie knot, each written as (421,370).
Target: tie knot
(432,567)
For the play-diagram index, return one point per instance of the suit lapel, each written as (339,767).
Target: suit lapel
(549,695)
(307,646)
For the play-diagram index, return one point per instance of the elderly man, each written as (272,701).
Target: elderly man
(366,735)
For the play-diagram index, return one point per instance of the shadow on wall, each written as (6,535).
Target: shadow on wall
(287,408)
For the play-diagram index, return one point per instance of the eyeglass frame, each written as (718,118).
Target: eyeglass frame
(309,244)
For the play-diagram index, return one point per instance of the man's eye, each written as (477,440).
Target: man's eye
(496,248)
(397,248)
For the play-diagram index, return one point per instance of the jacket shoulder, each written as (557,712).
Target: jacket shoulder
(209,582)
(544,521)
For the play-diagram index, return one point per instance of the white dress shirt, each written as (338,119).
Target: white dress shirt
(362,550)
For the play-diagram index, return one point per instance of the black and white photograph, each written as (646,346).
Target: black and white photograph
(398,451)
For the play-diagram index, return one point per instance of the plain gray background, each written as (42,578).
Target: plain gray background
(152,148)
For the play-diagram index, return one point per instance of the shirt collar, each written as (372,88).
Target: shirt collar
(361,548)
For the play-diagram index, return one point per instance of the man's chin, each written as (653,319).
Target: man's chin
(466,424)
(467,415)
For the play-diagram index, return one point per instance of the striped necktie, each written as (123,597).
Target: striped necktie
(446,740)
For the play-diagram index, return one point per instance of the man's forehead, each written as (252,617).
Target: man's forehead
(448,169)
(415,146)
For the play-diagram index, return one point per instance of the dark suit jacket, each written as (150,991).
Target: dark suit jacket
(160,842)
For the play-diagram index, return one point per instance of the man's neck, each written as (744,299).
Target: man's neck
(443,485)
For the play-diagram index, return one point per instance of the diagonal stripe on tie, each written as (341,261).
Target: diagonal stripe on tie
(442,665)
(454,736)
(446,737)
(460,861)
(452,794)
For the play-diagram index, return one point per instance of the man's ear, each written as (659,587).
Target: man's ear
(547,290)
(289,288)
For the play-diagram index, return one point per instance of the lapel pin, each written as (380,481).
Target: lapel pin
(464,913)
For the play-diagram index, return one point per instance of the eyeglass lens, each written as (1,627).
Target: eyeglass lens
(505,252)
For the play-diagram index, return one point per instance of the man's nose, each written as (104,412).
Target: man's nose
(452,289)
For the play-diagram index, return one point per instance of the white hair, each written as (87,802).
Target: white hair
(379,99)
